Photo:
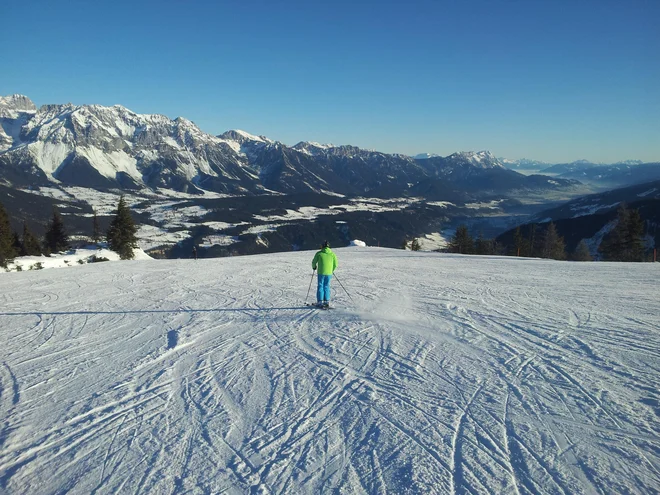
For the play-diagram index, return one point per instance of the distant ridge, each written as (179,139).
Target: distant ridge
(114,147)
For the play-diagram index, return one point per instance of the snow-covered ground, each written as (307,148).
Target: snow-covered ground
(70,258)
(441,374)
(433,242)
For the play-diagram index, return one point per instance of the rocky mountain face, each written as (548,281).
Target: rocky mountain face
(481,171)
(113,147)
(10,106)
(15,111)
(96,146)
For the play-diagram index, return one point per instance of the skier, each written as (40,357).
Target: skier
(194,252)
(326,261)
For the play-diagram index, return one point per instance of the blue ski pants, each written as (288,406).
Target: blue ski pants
(323,289)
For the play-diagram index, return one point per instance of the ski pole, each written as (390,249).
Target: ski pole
(342,286)
(310,287)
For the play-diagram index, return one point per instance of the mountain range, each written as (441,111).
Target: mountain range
(601,176)
(608,176)
(113,147)
(239,193)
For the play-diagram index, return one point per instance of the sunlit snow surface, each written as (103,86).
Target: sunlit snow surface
(442,374)
(68,259)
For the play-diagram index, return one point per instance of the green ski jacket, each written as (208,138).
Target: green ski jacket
(326,261)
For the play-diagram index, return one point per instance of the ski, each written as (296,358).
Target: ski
(316,306)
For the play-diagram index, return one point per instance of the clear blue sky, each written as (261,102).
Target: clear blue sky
(553,80)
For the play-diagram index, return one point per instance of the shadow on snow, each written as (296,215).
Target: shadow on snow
(146,311)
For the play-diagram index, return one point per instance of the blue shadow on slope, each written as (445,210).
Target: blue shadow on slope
(172,339)
(146,311)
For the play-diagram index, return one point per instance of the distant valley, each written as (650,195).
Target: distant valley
(237,193)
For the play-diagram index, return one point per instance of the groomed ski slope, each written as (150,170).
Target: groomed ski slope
(444,374)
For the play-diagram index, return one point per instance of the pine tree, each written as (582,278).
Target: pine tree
(462,241)
(479,244)
(29,244)
(484,246)
(121,234)
(415,245)
(581,252)
(18,245)
(531,245)
(549,238)
(7,250)
(553,244)
(613,246)
(56,238)
(634,237)
(518,243)
(96,229)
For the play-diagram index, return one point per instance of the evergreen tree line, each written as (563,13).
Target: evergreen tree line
(121,236)
(412,244)
(625,242)
(544,242)
(534,241)
(464,243)
(28,244)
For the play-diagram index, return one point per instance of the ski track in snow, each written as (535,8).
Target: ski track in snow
(443,374)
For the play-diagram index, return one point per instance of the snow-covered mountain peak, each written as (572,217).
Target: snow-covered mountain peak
(523,163)
(629,162)
(479,159)
(583,163)
(101,146)
(182,124)
(13,105)
(424,156)
(122,108)
(246,145)
(111,146)
(249,136)
(184,121)
(15,111)
(312,148)
(243,137)
(19,102)
(108,128)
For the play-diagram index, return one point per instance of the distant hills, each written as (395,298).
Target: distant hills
(524,164)
(601,202)
(599,175)
(609,176)
(590,217)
